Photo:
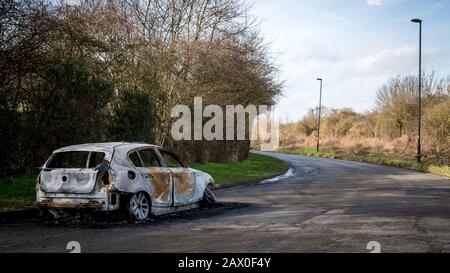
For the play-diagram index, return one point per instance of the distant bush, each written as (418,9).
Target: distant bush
(391,127)
(437,124)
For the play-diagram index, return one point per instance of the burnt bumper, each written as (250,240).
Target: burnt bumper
(69,205)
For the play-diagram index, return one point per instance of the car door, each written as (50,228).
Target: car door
(159,177)
(183,178)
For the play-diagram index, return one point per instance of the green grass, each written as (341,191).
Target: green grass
(377,159)
(257,166)
(19,192)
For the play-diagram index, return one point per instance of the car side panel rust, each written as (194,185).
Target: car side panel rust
(184,183)
(159,180)
(189,185)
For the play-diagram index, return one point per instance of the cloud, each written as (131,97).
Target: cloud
(342,44)
(373,2)
(317,51)
(393,60)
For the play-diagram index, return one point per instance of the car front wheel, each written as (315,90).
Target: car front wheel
(140,206)
(209,199)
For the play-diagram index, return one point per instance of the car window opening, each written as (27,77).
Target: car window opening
(76,160)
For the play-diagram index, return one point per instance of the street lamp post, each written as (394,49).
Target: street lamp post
(419,118)
(320,110)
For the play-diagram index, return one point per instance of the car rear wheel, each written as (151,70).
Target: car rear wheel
(140,206)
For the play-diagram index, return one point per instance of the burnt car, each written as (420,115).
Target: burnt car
(142,178)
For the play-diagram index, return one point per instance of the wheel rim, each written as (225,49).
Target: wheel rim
(139,206)
(209,195)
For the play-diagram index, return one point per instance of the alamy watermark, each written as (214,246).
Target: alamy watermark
(235,122)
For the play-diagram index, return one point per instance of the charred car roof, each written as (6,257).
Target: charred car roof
(106,147)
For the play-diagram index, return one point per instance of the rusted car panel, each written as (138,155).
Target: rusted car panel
(160,183)
(189,185)
(105,178)
(71,204)
(185,186)
(95,200)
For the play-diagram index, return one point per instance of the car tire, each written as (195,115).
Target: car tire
(208,199)
(140,206)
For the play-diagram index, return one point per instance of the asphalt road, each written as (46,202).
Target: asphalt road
(327,206)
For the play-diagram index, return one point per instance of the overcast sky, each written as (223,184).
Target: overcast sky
(354,45)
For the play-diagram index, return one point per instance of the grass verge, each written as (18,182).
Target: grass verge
(256,166)
(382,160)
(16,193)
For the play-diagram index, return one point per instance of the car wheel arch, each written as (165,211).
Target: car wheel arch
(149,207)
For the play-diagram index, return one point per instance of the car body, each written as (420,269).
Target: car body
(144,178)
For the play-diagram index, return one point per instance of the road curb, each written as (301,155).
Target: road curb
(252,182)
(371,162)
(11,215)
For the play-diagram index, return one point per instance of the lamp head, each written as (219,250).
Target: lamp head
(416,21)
